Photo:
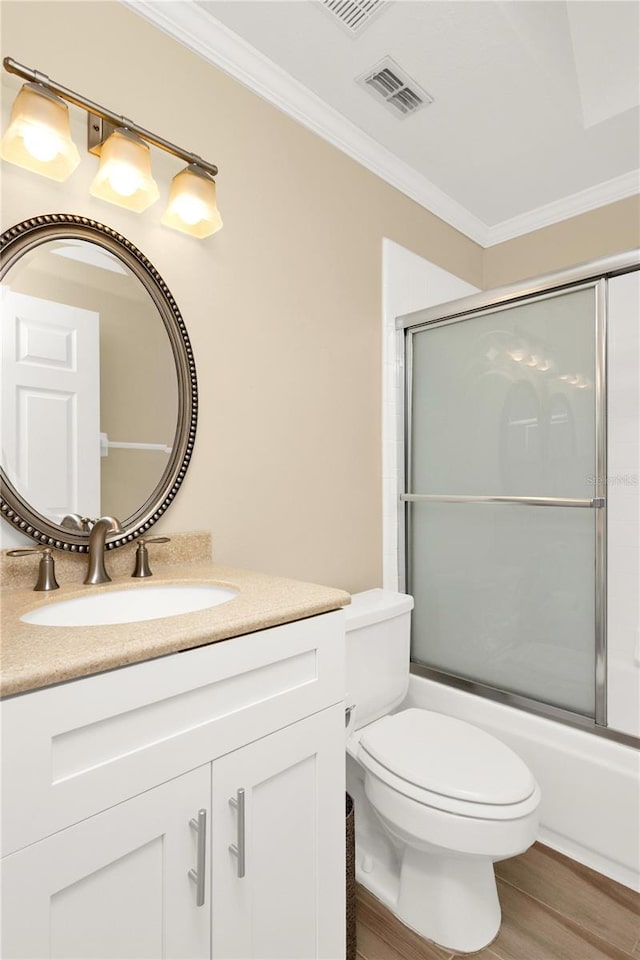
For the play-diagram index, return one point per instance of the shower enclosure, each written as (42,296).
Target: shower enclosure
(504,502)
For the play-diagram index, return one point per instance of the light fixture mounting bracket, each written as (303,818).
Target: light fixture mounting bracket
(98,130)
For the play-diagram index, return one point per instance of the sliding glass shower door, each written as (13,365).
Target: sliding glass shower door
(505,517)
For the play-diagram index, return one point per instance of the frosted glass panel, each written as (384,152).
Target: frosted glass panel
(504,595)
(503,404)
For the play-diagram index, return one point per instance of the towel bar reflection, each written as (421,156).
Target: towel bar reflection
(106,445)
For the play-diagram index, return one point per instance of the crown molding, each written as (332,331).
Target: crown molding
(213,41)
(626,185)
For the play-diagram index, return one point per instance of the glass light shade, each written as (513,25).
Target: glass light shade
(124,175)
(192,204)
(38,137)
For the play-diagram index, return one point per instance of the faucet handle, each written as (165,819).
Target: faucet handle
(142,568)
(46,568)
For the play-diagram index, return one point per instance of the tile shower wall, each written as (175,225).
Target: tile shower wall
(409,283)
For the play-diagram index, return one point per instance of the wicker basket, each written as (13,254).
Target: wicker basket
(351,880)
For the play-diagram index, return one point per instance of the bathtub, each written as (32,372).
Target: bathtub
(590,786)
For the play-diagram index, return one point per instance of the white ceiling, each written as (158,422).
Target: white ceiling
(536,110)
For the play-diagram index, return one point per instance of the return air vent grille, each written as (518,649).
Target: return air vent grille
(354,15)
(391,85)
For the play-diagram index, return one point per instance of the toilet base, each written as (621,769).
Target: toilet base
(450,900)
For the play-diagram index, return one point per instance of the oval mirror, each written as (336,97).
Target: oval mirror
(99,392)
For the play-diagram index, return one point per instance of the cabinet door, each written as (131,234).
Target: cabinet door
(288,901)
(116,885)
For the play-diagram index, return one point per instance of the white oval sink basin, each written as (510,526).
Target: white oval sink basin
(130,606)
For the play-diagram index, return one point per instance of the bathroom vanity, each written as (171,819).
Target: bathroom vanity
(190,805)
(173,782)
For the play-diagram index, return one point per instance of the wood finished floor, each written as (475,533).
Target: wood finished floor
(552,909)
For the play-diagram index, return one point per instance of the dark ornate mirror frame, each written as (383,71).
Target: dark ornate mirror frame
(14,243)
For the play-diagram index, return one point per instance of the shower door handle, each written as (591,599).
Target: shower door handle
(595,502)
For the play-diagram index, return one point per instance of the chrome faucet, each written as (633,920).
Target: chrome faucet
(96,570)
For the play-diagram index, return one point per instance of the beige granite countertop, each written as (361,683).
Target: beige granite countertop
(34,656)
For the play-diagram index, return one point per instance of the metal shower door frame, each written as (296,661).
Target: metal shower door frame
(588,276)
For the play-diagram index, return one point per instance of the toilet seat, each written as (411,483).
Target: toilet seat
(448,764)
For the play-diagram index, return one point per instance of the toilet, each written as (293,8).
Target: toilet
(437,799)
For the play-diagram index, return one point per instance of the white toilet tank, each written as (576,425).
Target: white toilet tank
(377,653)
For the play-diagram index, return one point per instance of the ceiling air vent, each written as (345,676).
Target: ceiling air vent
(391,85)
(354,15)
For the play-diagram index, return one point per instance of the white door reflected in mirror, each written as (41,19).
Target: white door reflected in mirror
(90,395)
(51,403)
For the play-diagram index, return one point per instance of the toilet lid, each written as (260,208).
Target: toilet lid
(448,757)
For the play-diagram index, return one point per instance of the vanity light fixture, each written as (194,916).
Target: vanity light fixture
(39,139)
(192,203)
(124,175)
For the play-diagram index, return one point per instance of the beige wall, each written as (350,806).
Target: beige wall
(599,233)
(283,306)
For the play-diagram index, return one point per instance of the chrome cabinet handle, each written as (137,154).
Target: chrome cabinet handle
(198,875)
(237,849)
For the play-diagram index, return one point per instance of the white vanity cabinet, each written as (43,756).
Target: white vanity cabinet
(279,894)
(104,779)
(112,886)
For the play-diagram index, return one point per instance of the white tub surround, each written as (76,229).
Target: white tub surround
(623,494)
(589,784)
